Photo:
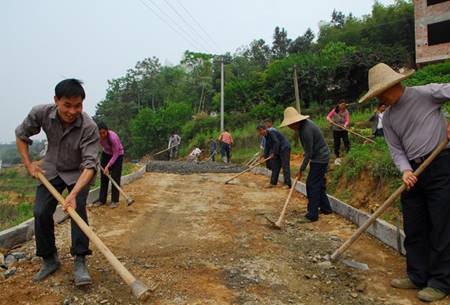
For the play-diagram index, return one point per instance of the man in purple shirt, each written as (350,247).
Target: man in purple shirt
(70,163)
(111,162)
(414,125)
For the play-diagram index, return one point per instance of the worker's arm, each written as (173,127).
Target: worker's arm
(330,114)
(399,155)
(440,92)
(275,149)
(85,178)
(32,168)
(347,120)
(307,143)
(30,126)
(89,162)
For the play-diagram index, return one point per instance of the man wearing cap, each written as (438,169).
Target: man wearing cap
(414,125)
(317,155)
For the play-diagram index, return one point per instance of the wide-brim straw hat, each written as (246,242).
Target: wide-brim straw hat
(381,78)
(292,116)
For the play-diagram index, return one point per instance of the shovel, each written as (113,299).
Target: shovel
(130,200)
(390,201)
(277,224)
(247,170)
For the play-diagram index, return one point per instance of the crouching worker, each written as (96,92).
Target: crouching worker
(69,163)
(194,155)
(317,156)
(414,125)
(279,152)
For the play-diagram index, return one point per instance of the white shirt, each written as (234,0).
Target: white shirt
(380,120)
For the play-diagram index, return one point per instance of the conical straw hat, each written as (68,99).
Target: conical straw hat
(381,78)
(292,116)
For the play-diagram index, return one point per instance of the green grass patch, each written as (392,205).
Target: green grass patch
(13,214)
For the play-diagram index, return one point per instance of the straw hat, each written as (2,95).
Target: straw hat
(381,78)
(292,116)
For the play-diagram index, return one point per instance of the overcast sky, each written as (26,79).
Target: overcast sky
(45,41)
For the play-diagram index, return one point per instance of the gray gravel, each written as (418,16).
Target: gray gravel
(183,167)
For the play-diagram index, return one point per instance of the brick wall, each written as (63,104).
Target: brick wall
(425,15)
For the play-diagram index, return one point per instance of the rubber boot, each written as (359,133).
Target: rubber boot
(81,273)
(49,265)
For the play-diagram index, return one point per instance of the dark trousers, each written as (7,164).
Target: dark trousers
(316,190)
(337,136)
(44,207)
(115,171)
(281,161)
(173,153)
(426,220)
(379,133)
(225,151)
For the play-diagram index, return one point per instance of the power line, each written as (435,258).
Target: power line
(199,25)
(194,30)
(177,25)
(167,23)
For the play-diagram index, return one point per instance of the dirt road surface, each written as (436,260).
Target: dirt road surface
(205,242)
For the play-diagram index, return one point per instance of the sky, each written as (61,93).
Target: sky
(43,42)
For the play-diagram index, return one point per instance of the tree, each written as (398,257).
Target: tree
(302,43)
(258,53)
(337,19)
(280,43)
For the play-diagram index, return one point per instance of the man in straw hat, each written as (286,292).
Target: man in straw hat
(317,156)
(414,125)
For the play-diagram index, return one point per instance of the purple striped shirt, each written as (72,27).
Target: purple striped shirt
(112,146)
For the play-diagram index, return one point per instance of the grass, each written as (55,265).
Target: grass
(13,214)
(17,191)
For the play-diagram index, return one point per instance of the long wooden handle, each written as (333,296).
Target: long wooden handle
(351,131)
(283,211)
(160,152)
(387,203)
(128,198)
(128,278)
(250,161)
(247,170)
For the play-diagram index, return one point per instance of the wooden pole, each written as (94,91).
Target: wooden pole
(222,79)
(297,93)
(283,211)
(386,204)
(352,132)
(164,150)
(139,290)
(247,170)
(128,198)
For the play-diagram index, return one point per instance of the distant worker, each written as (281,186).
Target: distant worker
(377,120)
(174,145)
(317,155)
(212,149)
(194,155)
(70,163)
(339,115)
(414,125)
(269,125)
(279,152)
(226,141)
(111,161)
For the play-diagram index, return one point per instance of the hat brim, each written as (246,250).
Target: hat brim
(297,118)
(383,87)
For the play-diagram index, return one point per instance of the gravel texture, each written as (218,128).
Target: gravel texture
(184,167)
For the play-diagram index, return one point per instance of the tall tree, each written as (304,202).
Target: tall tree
(280,43)
(302,43)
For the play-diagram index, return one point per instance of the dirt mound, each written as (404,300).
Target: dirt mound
(184,167)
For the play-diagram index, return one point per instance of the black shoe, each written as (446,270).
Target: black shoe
(49,265)
(326,212)
(81,273)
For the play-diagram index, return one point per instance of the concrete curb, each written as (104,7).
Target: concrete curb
(385,232)
(23,232)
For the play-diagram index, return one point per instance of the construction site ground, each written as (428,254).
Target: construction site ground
(205,242)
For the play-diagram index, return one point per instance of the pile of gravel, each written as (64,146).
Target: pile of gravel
(183,167)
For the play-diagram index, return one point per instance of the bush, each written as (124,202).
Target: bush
(437,73)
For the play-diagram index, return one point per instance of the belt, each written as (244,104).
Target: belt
(420,160)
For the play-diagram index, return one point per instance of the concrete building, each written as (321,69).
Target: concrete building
(432,28)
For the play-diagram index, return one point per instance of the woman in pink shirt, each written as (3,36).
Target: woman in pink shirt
(339,115)
(111,161)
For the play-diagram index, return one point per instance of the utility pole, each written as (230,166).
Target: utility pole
(297,94)
(221,96)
